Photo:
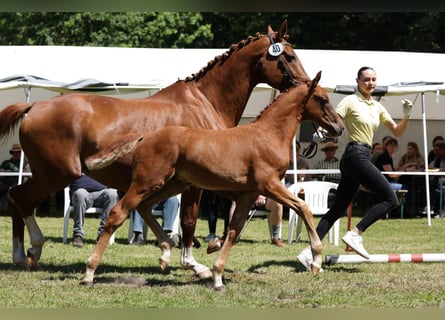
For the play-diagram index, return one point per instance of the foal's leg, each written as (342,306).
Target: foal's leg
(279,193)
(165,243)
(115,219)
(189,216)
(243,205)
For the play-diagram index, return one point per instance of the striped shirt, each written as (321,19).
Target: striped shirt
(329,164)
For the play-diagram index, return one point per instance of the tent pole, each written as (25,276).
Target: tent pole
(22,154)
(427,176)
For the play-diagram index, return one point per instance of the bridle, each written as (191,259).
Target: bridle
(289,81)
(288,78)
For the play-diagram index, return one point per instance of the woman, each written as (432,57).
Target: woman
(412,161)
(362,115)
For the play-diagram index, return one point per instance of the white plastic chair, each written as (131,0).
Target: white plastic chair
(157,214)
(68,208)
(316,196)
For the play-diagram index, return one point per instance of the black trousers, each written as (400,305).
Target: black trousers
(357,169)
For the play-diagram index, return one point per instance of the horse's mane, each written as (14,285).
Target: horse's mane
(279,96)
(223,57)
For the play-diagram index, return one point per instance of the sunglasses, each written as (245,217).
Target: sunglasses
(330,149)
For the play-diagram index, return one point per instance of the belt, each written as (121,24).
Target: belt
(360,144)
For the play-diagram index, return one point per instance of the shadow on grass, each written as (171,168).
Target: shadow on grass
(150,276)
(298,267)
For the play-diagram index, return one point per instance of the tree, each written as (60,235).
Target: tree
(387,31)
(129,29)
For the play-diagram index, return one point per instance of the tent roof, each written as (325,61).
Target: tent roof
(67,68)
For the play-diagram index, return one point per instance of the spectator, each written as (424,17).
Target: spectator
(275,217)
(384,162)
(432,154)
(412,161)
(376,147)
(329,162)
(212,206)
(10,165)
(85,193)
(437,182)
(170,211)
(376,153)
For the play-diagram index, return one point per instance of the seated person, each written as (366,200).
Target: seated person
(412,161)
(329,162)
(10,165)
(275,217)
(170,211)
(85,193)
(384,162)
(437,182)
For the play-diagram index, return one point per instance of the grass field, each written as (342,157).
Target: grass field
(258,275)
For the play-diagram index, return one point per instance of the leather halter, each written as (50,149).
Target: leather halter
(287,75)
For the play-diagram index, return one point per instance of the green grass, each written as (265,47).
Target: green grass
(257,275)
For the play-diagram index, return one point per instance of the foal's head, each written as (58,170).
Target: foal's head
(318,108)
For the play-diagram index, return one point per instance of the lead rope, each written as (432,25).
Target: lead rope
(312,149)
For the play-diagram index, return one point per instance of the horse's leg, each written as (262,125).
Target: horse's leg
(165,243)
(18,238)
(116,218)
(279,193)
(24,198)
(243,205)
(189,216)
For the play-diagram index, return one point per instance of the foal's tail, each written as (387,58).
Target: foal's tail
(10,118)
(113,151)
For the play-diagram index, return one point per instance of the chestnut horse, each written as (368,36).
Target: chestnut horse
(250,159)
(58,134)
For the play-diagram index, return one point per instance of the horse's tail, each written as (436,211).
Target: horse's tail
(113,151)
(10,118)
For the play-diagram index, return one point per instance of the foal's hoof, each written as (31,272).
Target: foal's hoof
(163,263)
(315,270)
(86,283)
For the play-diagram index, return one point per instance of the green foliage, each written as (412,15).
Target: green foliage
(393,31)
(130,29)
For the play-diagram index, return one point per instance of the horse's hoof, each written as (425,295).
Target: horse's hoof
(214,245)
(32,263)
(219,288)
(204,274)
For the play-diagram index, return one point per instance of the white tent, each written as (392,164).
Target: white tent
(30,73)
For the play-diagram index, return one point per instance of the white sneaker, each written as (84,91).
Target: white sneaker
(354,241)
(306,259)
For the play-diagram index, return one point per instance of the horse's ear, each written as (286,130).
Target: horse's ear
(282,32)
(269,30)
(315,82)
(316,79)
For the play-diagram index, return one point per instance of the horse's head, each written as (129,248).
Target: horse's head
(279,66)
(318,108)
